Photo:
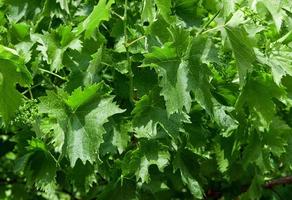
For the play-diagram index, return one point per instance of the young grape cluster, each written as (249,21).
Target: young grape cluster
(25,115)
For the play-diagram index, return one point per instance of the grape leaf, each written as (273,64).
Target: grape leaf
(274,7)
(148,13)
(279,60)
(196,105)
(242,49)
(148,115)
(151,152)
(38,165)
(185,163)
(199,74)
(82,120)
(173,73)
(12,71)
(165,7)
(64,5)
(258,95)
(101,12)
(53,45)
(121,136)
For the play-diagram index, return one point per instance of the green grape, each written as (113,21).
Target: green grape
(25,115)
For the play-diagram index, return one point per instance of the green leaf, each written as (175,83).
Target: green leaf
(228,7)
(38,165)
(84,138)
(12,71)
(277,137)
(196,105)
(101,12)
(221,159)
(258,95)
(187,10)
(121,136)
(279,60)
(242,49)
(83,126)
(64,5)
(93,68)
(199,74)
(185,162)
(148,11)
(164,7)
(138,162)
(224,120)
(53,104)
(148,115)
(20,31)
(52,130)
(55,44)
(255,189)
(173,73)
(80,97)
(275,9)
(253,153)
(83,176)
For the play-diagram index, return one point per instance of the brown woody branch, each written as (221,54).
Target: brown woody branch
(268,185)
(280,181)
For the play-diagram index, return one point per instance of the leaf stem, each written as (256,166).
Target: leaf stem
(106,64)
(208,23)
(130,74)
(32,87)
(30,93)
(222,26)
(52,73)
(119,16)
(213,29)
(136,40)
(57,162)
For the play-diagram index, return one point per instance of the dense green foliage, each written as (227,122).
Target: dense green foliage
(145,99)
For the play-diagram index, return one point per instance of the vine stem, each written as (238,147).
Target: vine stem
(56,161)
(221,26)
(209,22)
(32,87)
(119,16)
(30,93)
(136,40)
(130,74)
(52,73)
(214,29)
